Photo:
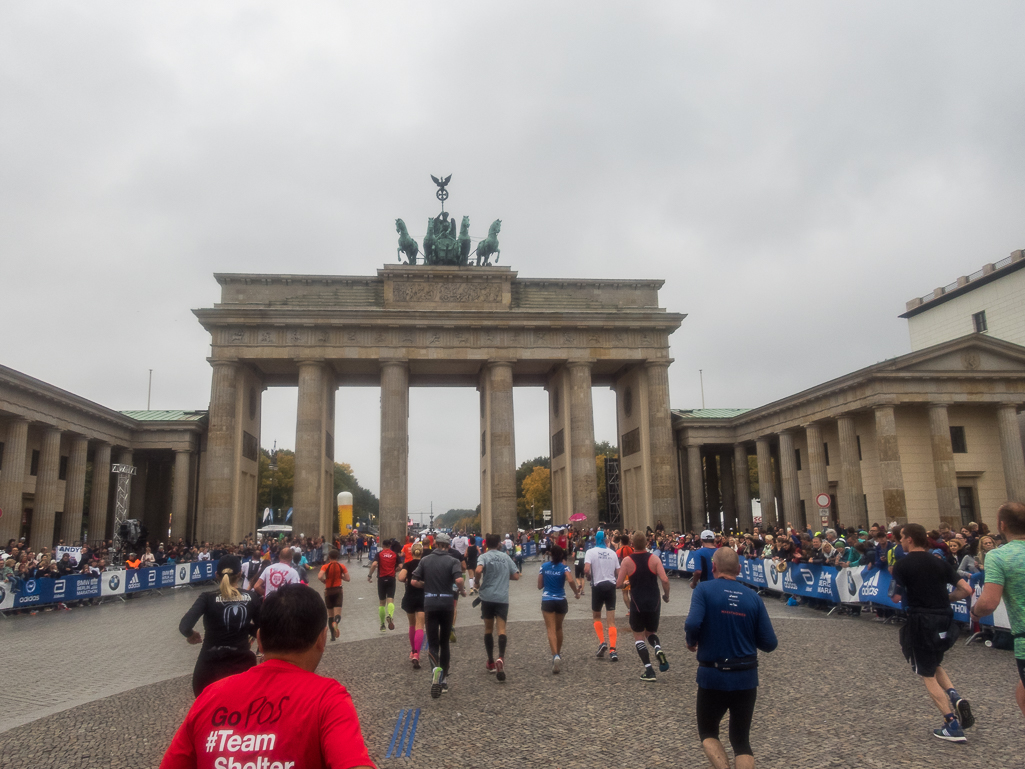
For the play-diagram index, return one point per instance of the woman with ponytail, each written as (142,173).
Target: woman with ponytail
(230,618)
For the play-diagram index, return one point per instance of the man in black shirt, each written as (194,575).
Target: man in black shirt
(440,576)
(922,579)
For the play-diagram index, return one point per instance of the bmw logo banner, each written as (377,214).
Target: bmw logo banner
(113,582)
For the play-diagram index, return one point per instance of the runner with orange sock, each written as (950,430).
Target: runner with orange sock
(601,567)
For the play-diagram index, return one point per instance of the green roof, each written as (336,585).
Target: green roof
(709,413)
(165,416)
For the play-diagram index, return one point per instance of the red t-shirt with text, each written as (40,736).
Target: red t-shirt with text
(386,561)
(273,715)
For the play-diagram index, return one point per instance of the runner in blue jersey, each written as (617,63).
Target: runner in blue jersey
(552,581)
(726,626)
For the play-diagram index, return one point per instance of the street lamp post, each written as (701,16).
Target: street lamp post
(273,479)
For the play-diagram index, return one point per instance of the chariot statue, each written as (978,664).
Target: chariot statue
(442,244)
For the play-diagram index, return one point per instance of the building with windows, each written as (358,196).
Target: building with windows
(56,452)
(990,301)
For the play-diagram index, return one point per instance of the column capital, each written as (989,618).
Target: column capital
(588,362)
(939,405)
(655,363)
(1013,407)
(402,362)
(215,362)
(319,362)
(496,363)
(183,451)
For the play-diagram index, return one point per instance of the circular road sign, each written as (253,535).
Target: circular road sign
(822,500)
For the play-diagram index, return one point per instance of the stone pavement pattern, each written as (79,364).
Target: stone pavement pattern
(836,694)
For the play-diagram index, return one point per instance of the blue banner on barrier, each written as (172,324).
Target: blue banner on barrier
(34,592)
(752,572)
(202,571)
(669,561)
(811,581)
(75,588)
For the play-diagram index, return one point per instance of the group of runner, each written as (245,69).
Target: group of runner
(726,626)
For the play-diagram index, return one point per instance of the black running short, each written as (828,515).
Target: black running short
(712,705)
(385,588)
(333,598)
(413,602)
(1021,670)
(578,570)
(603,595)
(555,607)
(491,609)
(644,621)
(924,662)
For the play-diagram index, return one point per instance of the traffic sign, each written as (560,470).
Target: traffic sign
(822,500)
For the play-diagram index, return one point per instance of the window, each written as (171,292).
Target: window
(958,442)
(804,517)
(979,322)
(966,498)
(62,474)
(858,439)
(33,468)
(797,459)
(825,450)
(483,440)
(559,443)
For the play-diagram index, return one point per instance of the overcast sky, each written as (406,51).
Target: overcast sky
(795,172)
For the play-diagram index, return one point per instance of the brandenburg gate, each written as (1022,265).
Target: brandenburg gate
(445,322)
(421,325)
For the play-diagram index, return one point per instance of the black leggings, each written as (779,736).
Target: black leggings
(712,706)
(213,666)
(439,627)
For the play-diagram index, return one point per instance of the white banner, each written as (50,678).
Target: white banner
(848,585)
(6,596)
(113,582)
(182,574)
(74,552)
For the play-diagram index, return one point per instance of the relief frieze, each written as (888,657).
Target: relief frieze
(455,293)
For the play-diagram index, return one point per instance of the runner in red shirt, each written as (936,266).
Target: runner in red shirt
(385,562)
(281,714)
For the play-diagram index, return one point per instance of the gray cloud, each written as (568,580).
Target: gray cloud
(794,172)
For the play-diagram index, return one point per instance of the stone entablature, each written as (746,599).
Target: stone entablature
(429,314)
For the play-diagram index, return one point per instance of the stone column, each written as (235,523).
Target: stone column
(788,480)
(742,480)
(852,492)
(74,491)
(729,488)
(947,502)
(12,479)
(817,465)
(502,445)
(394,507)
(895,504)
(308,493)
(695,480)
(1011,452)
(583,472)
(712,498)
(44,510)
(180,493)
(222,458)
(766,484)
(665,504)
(99,522)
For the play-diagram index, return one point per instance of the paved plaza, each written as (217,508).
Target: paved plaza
(108,686)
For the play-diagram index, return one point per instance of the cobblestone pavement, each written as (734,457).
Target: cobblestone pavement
(837,693)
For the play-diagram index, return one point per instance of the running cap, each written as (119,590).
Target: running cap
(443,539)
(707,536)
(599,538)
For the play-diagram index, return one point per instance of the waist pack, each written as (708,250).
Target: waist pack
(732,665)
(935,632)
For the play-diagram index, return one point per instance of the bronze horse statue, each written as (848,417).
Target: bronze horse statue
(429,242)
(489,245)
(407,245)
(464,240)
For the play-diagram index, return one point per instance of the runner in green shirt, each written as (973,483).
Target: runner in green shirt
(1005,578)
